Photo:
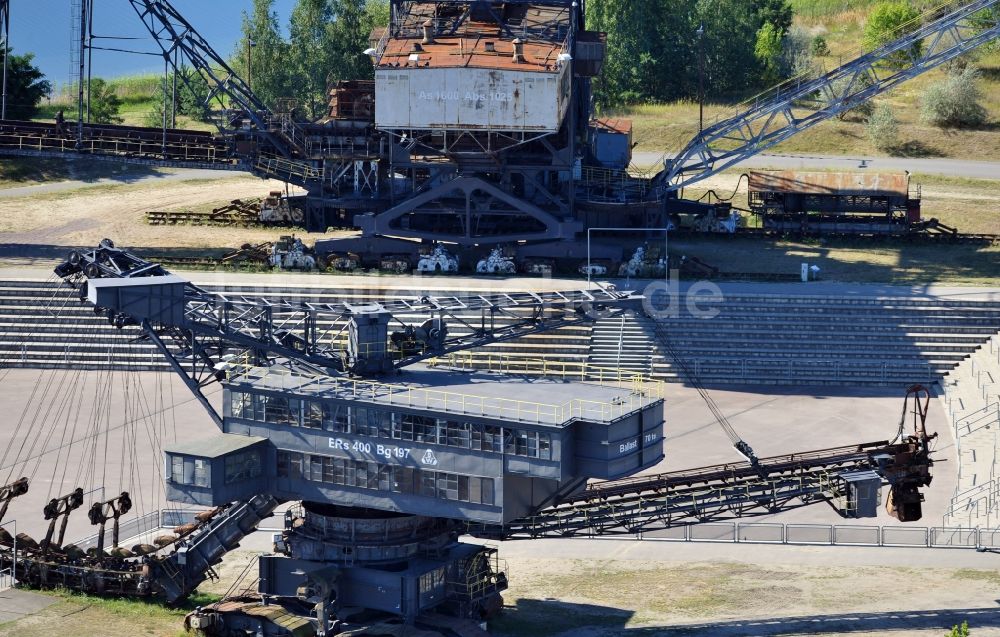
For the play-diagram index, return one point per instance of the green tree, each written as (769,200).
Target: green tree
(955,101)
(731,28)
(191,99)
(768,51)
(327,43)
(775,12)
(312,49)
(657,60)
(819,47)
(266,67)
(888,21)
(882,128)
(351,29)
(104,103)
(26,85)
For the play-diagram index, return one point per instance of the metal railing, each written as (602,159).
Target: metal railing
(806,369)
(979,419)
(830,535)
(453,401)
(124,147)
(581,371)
(287,169)
(143,525)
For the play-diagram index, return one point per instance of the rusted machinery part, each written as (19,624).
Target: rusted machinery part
(73,568)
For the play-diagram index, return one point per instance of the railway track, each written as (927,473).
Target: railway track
(245,215)
(238,212)
(909,237)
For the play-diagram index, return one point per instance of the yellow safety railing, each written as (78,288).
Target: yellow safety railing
(581,371)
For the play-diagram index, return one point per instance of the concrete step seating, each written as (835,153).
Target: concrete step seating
(754,339)
(813,339)
(972,400)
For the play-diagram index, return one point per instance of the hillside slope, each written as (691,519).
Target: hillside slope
(841,23)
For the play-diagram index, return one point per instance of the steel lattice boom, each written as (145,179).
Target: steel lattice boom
(198,331)
(948,31)
(657,502)
(176,37)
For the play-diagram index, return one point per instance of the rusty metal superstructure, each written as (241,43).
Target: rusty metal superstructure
(478,129)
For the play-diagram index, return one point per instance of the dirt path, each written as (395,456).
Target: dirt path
(612,598)
(159,176)
(84,216)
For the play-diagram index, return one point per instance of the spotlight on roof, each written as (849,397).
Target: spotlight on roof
(370,52)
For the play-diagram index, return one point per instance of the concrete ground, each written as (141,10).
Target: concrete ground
(15,604)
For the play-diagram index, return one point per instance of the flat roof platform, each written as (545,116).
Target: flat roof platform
(529,399)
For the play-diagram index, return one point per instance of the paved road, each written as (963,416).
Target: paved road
(947,167)
(175,174)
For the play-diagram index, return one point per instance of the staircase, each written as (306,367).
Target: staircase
(625,342)
(754,339)
(972,398)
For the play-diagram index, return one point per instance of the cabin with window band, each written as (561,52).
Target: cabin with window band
(443,443)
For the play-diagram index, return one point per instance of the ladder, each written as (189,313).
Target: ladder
(948,31)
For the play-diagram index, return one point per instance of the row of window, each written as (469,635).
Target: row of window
(239,467)
(389,478)
(380,423)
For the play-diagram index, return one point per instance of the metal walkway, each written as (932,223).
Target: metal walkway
(946,32)
(651,503)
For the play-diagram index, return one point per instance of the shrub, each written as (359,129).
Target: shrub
(954,102)
(819,47)
(104,103)
(882,128)
(796,52)
(959,631)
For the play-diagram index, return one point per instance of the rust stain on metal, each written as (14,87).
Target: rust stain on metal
(481,46)
(830,183)
(614,124)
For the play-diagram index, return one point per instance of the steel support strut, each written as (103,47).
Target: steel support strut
(101,512)
(59,509)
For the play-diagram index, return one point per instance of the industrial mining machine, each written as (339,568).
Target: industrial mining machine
(386,455)
(479,129)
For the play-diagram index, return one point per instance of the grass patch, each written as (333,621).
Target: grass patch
(139,95)
(28,171)
(976,575)
(136,608)
(95,616)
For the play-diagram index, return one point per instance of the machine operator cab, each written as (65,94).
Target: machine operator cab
(477,446)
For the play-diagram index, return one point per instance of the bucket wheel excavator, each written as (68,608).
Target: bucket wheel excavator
(386,455)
